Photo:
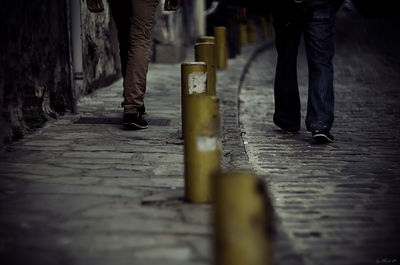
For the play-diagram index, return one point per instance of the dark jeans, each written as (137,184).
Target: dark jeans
(315,19)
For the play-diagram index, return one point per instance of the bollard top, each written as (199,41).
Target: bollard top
(206,39)
(193,63)
(204,43)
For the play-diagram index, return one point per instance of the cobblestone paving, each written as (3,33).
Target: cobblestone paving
(82,190)
(338,203)
(76,193)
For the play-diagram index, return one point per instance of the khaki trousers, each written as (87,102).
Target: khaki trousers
(134,20)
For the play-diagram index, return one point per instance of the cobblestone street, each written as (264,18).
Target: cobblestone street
(338,203)
(82,190)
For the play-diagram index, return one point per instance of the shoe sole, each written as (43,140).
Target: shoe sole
(322,138)
(134,126)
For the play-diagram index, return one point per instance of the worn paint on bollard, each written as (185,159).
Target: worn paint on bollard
(193,81)
(243,34)
(193,78)
(201,147)
(205,52)
(252,38)
(222,49)
(242,220)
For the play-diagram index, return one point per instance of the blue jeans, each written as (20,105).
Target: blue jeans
(315,19)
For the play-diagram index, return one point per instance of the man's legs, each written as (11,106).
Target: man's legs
(287,101)
(319,42)
(121,12)
(138,55)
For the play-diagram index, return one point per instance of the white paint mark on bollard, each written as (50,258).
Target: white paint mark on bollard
(206,143)
(197,82)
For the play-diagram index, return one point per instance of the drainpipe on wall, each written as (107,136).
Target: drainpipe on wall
(76,55)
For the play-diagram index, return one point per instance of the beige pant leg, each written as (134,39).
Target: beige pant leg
(141,22)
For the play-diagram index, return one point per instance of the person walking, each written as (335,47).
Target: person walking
(315,19)
(134,20)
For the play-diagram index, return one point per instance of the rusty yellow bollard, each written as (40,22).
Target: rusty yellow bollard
(221,47)
(251,32)
(264,28)
(202,39)
(193,82)
(205,52)
(243,34)
(242,220)
(201,147)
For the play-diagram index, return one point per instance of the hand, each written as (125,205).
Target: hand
(172,5)
(95,6)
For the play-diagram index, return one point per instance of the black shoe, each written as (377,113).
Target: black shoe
(322,136)
(134,121)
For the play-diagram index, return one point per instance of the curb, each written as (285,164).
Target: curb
(283,249)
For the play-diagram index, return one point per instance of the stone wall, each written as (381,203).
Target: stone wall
(101,64)
(36,80)
(35,66)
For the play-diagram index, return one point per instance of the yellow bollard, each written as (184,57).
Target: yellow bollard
(205,52)
(202,39)
(251,32)
(264,28)
(220,42)
(243,34)
(202,147)
(193,81)
(242,220)
(206,39)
